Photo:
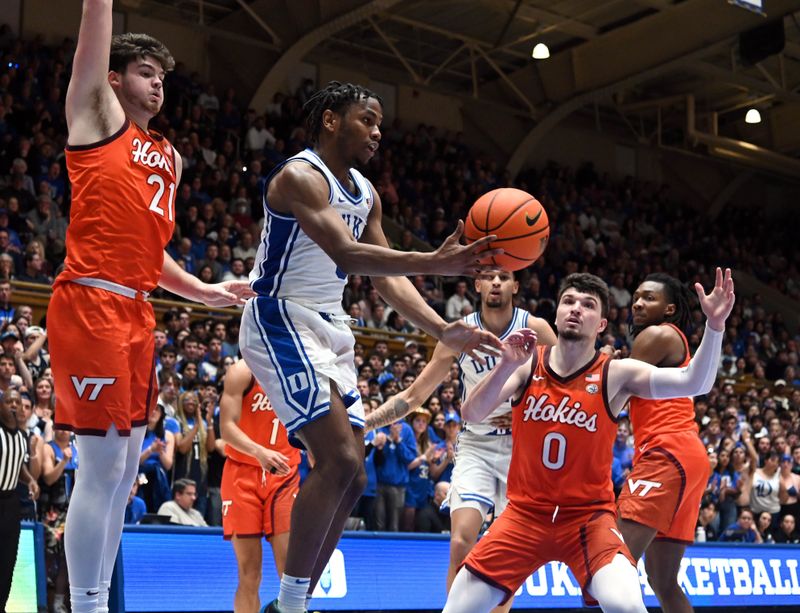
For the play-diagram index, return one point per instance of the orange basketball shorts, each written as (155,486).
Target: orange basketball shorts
(254,502)
(666,485)
(103,358)
(520,541)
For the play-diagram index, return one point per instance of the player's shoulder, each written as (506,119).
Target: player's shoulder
(657,334)
(299,176)
(238,378)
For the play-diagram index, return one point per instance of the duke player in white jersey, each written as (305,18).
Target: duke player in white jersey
(323,222)
(484,448)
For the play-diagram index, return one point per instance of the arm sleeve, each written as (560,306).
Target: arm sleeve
(695,379)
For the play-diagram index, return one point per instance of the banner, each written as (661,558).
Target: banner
(194,569)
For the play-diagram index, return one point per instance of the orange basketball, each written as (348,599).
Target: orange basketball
(517,219)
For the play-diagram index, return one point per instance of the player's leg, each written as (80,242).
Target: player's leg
(349,500)
(616,587)
(119,500)
(102,465)
(465,524)
(324,502)
(248,552)
(469,594)
(637,536)
(280,545)
(662,562)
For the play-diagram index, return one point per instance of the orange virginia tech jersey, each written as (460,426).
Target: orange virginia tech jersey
(123,208)
(563,432)
(653,417)
(259,422)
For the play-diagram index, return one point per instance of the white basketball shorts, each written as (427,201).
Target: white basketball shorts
(481,472)
(296,354)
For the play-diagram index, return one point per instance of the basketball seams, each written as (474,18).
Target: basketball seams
(511,214)
(489,211)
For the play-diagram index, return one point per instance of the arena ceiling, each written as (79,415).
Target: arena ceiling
(634,60)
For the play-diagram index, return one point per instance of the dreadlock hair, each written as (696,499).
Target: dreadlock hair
(678,294)
(128,47)
(587,283)
(336,97)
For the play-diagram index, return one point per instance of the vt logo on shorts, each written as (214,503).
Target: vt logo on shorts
(97,384)
(225,506)
(646,486)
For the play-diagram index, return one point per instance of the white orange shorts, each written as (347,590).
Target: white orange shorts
(254,502)
(103,358)
(666,486)
(521,541)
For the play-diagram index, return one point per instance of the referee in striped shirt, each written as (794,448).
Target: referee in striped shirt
(13,452)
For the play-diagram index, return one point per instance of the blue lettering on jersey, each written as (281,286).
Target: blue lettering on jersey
(354,223)
(491,361)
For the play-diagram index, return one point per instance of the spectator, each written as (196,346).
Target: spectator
(391,461)
(157,459)
(768,490)
(136,507)
(237,271)
(33,460)
(707,519)
(728,489)
(7,310)
(431,518)
(790,482)
(420,487)
(179,509)
(458,302)
(764,527)
(193,445)
(787,532)
(445,455)
(742,530)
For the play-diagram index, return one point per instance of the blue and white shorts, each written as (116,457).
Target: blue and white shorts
(296,354)
(480,474)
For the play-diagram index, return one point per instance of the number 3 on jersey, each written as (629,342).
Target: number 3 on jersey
(553,458)
(158,180)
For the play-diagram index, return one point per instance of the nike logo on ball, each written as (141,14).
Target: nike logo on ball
(532,222)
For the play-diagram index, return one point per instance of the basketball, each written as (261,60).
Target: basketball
(517,219)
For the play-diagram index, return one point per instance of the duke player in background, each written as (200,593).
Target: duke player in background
(323,222)
(659,503)
(100,326)
(566,400)
(484,448)
(259,482)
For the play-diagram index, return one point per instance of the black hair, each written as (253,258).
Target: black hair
(678,294)
(179,487)
(587,283)
(336,97)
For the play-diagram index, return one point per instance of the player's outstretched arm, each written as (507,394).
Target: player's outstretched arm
(400,405)
(92,109)
(505,379)
(635,378)
(228,293)
(237,379)
(300,190)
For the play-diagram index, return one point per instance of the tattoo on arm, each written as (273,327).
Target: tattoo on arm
(394,409)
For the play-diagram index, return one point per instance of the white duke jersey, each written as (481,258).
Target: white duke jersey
(291,266)
(473,371)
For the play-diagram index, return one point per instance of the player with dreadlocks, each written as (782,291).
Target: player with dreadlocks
(657,508)
(323,222)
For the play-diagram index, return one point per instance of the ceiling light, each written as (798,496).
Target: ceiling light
(540,52)
(753,116)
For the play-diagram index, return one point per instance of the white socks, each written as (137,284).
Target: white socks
(292,597)
(83,599)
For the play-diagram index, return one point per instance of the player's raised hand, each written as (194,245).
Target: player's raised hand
(453,258)
(227,293)
(468,339)
(718,304)
(518,346)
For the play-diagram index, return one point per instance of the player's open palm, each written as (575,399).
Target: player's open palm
(453,258)
(227,293)
(464,338)
(518,346)
(718,304)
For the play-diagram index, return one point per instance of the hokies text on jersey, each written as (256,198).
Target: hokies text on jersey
(541,409)
(142,154)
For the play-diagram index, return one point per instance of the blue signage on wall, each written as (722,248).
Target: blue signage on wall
(185,569)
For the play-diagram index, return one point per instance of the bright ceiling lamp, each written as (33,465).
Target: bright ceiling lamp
(753,116)
(540,52)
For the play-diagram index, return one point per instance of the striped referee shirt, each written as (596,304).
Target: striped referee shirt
(13,451)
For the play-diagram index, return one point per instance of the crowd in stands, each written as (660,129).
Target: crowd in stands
(619,229)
